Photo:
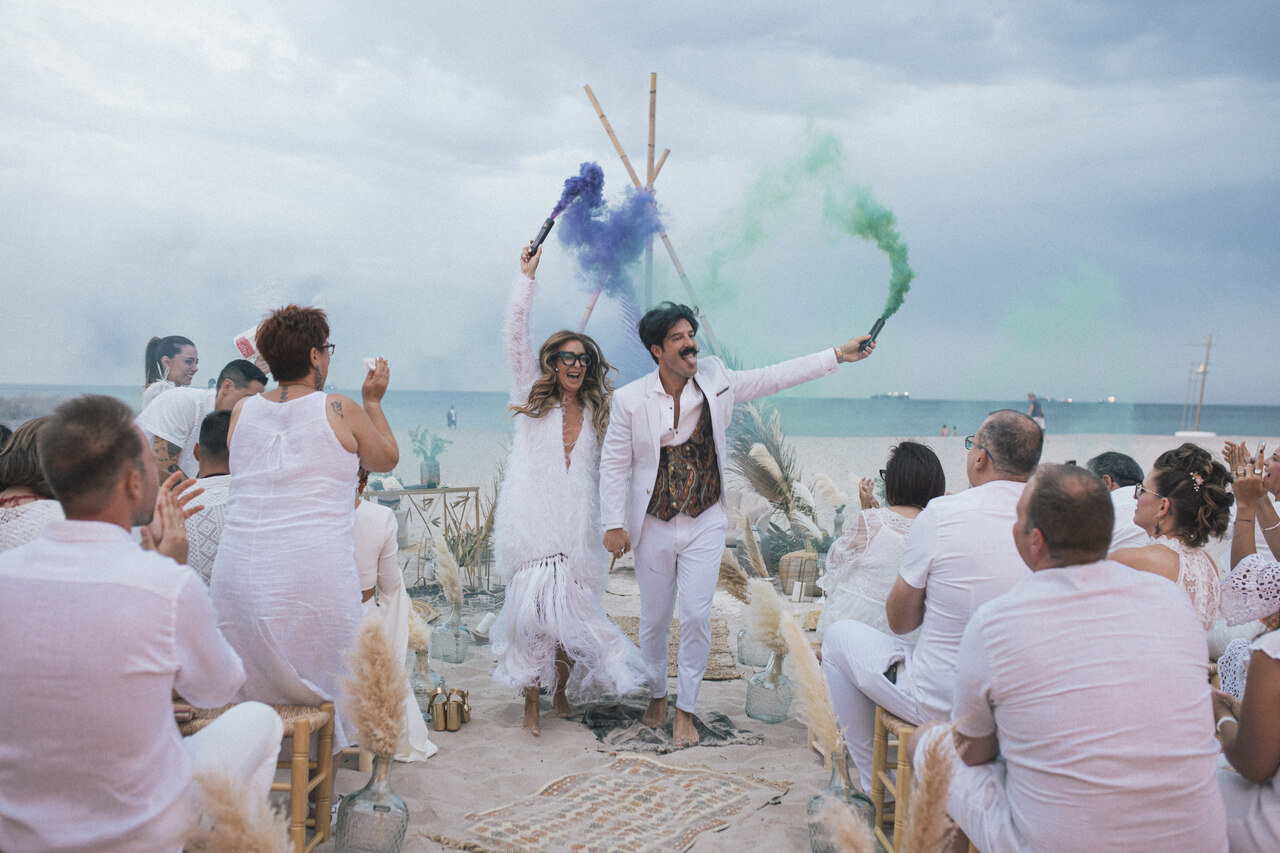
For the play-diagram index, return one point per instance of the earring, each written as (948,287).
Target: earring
(319,379)
(557,370)
(1157,528)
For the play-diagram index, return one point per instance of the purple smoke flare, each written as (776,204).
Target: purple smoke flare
(607,239)
(589,180)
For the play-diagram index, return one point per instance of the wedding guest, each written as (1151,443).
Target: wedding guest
(1181,503)
(862,564)
(1120,473)
(26,502)
(170,362)
(204,529)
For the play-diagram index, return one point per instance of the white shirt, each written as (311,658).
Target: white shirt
(95,634)
(1126,534)
(204,529)
(1095,680)
(175,416)
(691,399)
(960,551)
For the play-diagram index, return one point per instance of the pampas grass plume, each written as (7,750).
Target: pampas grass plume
(825,490)
(447,571)
(375,689)
(241,823)
(764,615)
(929,828)
(765,460)
(818,713)
(847,832)
(753,547)
(733,578)
(419,635)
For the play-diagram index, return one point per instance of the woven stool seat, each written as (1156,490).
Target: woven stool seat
(888,726)
(305,775)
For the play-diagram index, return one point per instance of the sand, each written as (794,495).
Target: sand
(492,761)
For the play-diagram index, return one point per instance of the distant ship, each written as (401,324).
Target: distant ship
(892,395)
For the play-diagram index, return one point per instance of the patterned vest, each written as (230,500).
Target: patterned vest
(688,474)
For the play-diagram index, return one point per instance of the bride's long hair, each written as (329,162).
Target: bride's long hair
(596,387)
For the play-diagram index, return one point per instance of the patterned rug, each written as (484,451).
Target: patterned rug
(618,728)
(632,804)
(721,664)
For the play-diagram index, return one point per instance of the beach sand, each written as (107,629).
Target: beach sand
(492,761)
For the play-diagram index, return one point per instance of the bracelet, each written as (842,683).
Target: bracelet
(1244,521)
(1272,527)
(1223,719)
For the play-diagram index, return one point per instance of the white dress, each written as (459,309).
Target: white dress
(376,561)
(862,566)
(22,523)
(284,581)
(1253,811)
(547,545)
(1198,577)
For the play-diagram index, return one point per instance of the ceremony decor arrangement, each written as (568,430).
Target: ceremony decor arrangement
(751,652)
(374,819)
(928,827)
(422,678)
(238,823)
(450,640)
(819,715)
(825,492)
(769,693)
(428,446)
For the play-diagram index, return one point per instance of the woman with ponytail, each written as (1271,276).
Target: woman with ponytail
(170,362)
(1184,500)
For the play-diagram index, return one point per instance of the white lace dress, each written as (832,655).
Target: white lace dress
(22,522)
(547,545)
(1198,577)
(862,566)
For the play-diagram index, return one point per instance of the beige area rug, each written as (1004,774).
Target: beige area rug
(632,804)
(721,664)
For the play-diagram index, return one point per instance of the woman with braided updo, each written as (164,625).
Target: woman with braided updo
(1183,501)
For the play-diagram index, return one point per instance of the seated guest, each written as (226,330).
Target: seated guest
(204,529)
(26,504)
(95,637)
(863,563)
(1120,473)
(959,554)
(1080,697)
(1180,504)
(382,589)
(172,420)
(284,582)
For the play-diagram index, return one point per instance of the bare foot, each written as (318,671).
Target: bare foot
(656,714)
(682,731)
(531,711)
(561,703)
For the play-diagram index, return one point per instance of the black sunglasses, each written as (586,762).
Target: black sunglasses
(569,359)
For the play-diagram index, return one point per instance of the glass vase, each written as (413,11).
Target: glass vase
(751,652)
(769,692)
(838,795)
(450,641)
(373,819)
(423,679)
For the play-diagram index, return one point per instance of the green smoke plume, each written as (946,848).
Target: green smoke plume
(857,213)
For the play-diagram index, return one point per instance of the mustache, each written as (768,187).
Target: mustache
(688,351)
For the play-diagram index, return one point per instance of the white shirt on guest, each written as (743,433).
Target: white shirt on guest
(1126,534)
(960,551)
(95,634)
(1095,680)
(204,529)
(175,416)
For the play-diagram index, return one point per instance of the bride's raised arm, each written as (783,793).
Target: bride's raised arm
(522,358)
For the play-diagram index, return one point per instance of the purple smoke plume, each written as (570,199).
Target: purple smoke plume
(589,180)
(607,239)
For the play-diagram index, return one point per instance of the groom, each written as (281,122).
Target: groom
(669,433)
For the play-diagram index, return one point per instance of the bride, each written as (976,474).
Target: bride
(552,631)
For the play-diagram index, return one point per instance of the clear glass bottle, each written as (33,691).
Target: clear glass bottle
(769,692)
(373,819)
(450,641)
(751,652)
(839,794)
(423,678)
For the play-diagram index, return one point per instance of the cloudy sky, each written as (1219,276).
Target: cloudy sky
(1087,190)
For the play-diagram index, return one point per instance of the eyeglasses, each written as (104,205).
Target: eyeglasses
(1139,489)
(569,359)
(882,475)
(970,444)
(329,347)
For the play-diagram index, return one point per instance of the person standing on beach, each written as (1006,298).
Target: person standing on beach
(1035,409)
(668,434)
(552,631)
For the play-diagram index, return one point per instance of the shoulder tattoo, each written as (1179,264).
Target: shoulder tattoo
(337,407)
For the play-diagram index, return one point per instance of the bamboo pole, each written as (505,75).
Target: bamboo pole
(591,306)
(648,249)
(658,168)
(666,241)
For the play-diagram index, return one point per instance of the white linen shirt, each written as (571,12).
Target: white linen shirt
(960,551)
(175,416)
(1095,680)
(1126,534)
(95,634)
(691,397)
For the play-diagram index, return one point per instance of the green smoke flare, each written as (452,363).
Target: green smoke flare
(858,214)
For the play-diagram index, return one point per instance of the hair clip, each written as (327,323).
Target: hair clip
(1196,479)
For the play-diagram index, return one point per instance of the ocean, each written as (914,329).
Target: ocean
(809,416)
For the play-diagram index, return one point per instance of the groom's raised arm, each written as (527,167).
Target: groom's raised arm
(763,381)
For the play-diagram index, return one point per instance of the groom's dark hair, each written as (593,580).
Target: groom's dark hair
(657,322)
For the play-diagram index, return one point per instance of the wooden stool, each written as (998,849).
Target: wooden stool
(887,726)
(305,775)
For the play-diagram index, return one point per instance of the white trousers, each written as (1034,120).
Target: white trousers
(678,556)
(242,743)
(855,657)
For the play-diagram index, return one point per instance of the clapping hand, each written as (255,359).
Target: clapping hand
(1246,472)
(167,532)
(866,493)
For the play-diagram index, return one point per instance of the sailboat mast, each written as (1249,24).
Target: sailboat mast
(1204,371)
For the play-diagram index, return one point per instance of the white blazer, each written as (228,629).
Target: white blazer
(635,428)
